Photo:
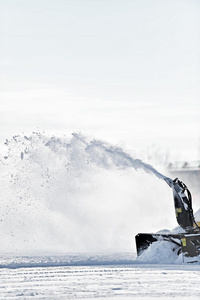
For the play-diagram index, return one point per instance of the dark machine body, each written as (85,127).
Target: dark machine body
(188,242)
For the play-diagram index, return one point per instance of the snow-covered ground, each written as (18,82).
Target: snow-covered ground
(53,278)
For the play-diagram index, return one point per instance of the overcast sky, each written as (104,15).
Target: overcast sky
(125,71)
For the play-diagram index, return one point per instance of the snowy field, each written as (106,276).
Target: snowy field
(84,277)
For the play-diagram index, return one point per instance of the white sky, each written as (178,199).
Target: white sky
(125,71)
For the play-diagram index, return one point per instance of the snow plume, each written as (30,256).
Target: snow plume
(62,194)
(105,155)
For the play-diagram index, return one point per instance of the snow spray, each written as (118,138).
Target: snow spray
(76,194)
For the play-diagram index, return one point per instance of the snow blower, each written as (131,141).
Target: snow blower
(188,242)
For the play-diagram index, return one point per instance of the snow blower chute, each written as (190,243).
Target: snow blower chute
(188,242)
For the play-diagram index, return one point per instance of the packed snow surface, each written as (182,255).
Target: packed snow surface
(102,282)
(102,276)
